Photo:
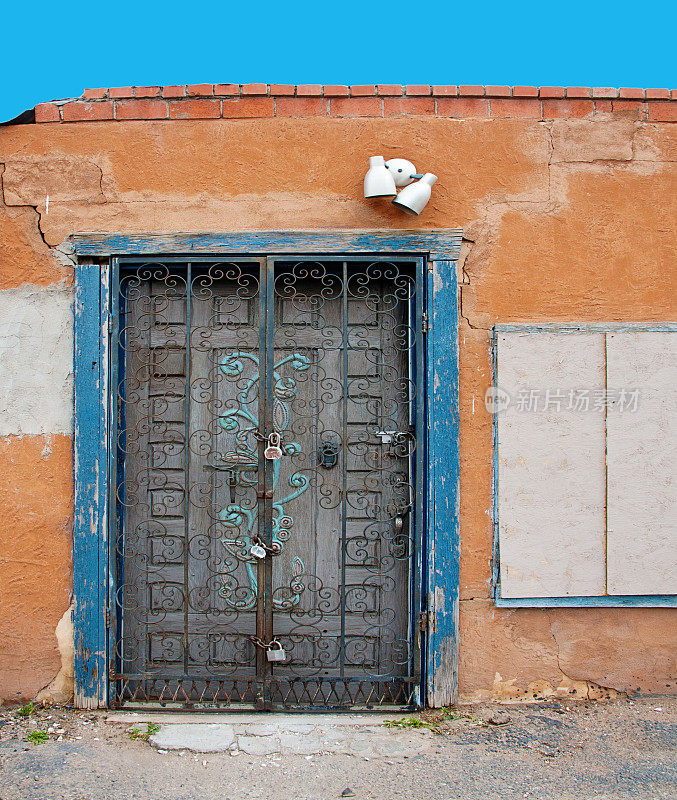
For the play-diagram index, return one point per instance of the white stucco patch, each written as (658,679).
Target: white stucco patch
(60,690)
(36,361)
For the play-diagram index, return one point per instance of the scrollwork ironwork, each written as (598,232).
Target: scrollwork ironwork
(333,517)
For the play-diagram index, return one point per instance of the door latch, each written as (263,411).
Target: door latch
(232,484)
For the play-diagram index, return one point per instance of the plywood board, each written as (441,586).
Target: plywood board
(551,467)
(642,463)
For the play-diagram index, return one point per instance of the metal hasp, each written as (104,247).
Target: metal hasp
(268,504)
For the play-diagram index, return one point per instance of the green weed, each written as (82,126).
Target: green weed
(38,737)
(432,724)
(27,710)
(456,716)
(138,735)
(410,722)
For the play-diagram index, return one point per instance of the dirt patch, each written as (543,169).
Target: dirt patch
(554,751)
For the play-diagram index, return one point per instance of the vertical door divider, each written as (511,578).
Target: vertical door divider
(268,383)
(344,481)
(261,567)
(186,504)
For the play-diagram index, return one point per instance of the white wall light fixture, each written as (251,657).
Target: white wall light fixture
(379,181)
(384,178)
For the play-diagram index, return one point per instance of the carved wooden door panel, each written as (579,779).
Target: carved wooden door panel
(288,581)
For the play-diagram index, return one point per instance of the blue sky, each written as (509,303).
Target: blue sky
(55,50)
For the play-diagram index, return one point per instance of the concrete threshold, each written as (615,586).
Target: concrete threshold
(251,718)
(262,734)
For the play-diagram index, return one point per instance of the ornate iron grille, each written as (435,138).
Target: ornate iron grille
(225,556)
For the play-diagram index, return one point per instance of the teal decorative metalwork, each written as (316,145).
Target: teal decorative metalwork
(242,422)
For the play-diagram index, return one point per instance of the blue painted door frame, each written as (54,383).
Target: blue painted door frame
(90,524)
(91,576)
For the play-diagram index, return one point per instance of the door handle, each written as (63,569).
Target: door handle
(327,454)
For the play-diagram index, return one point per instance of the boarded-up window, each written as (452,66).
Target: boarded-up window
(586,463)
(642,458)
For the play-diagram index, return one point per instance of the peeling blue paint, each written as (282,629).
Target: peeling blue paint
(435,243)
(605,601)
(90,479)
(443,485)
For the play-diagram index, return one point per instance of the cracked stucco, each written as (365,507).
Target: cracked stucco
(578,151)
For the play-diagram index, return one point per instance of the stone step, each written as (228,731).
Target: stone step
(286,734)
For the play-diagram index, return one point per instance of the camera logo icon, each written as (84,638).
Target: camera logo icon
(496,400)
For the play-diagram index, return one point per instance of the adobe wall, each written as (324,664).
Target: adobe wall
(568,218)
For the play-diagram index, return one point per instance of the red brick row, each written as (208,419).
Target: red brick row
(376,90)
(309,101)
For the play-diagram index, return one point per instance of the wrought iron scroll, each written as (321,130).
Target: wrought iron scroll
(353,322)
(341,339)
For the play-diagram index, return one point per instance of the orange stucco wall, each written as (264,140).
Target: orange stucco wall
(567,220)
(35,559)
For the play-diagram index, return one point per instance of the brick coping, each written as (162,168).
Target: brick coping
(258,100)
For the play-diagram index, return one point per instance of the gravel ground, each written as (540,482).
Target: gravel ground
(620,749)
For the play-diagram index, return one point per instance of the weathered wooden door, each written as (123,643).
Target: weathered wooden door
(269,462)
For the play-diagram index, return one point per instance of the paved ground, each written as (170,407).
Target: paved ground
(553,751)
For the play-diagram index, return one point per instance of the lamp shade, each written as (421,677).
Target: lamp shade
(379,181)
(414,198)
(402,170)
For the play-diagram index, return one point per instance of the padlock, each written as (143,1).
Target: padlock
(273,452)
(276,652)
(258,551)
